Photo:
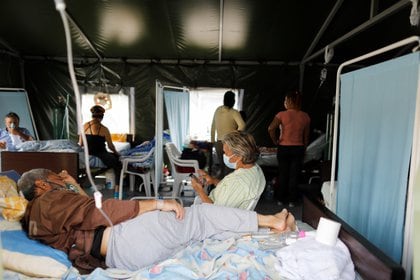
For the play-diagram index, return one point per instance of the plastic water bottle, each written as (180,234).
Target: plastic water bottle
(116,194)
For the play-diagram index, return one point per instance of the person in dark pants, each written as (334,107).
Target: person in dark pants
(291,145)
(97,135)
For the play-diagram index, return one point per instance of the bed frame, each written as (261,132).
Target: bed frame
(369,261)
(55,161)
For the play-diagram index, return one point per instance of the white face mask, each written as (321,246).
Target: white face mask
(231,165)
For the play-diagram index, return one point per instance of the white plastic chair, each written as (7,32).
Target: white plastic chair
(147,174)
(180,168)
(253,203)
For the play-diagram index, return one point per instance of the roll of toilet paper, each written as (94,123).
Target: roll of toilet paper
(327,231)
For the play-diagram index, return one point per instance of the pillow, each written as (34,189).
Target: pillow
(119,137)
(7,187)
(30,257)
(12,206)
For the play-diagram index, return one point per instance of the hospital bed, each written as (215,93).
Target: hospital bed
(248,256)
(314,151)
(56,155)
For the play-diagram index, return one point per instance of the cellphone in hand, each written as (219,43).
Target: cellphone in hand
(193,176)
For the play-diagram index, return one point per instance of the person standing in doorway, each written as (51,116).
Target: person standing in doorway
(291,145)
(225,120)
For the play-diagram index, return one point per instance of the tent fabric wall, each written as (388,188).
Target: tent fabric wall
(10,74)
(376,129)
(264,87)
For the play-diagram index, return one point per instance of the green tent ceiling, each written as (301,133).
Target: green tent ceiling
(256,45)
(204,30)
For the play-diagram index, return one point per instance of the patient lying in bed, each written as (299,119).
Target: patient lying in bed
(69,221)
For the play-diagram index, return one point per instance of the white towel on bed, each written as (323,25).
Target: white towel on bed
(308,259)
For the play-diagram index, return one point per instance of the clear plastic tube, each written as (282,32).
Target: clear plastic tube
(61,6)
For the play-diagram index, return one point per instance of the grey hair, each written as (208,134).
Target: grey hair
(26,183)
(242,144)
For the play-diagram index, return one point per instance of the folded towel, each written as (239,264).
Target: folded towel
(308,259)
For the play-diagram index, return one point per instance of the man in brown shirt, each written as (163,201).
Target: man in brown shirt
(69,221)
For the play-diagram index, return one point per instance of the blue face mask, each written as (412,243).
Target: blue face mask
(231,165)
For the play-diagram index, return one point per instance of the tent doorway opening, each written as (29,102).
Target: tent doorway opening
(203,104)
(119,114)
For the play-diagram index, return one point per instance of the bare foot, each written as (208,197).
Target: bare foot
(287,219)
(291,223)
(282,214)
(279,222)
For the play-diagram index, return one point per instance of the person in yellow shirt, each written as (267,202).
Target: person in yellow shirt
(225,120)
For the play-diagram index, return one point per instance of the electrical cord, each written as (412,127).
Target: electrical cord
(61,7)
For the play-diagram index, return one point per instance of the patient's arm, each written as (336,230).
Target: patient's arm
(163,205)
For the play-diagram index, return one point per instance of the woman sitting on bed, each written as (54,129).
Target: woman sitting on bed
(69,221)
(243,185)
(97,135)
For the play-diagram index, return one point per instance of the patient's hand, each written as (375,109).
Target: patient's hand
(2,145)
(197,186)
(65,176)
(208,179)
(172,205)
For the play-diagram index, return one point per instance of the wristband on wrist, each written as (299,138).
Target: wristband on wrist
(159,204)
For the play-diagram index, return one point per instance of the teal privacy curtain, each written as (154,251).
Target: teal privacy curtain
(178,113)
(376,128)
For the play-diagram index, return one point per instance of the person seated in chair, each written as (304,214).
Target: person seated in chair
(97,135)
(241,187)
(140,235)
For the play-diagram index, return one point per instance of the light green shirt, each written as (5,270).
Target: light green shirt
(239,188)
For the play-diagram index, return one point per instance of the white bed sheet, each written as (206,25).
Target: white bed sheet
(314,151)
(65,145)
(235,258)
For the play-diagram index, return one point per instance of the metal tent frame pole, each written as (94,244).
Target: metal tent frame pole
(159,139)
(391,10)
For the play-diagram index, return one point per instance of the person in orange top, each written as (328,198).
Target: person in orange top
(291,145)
